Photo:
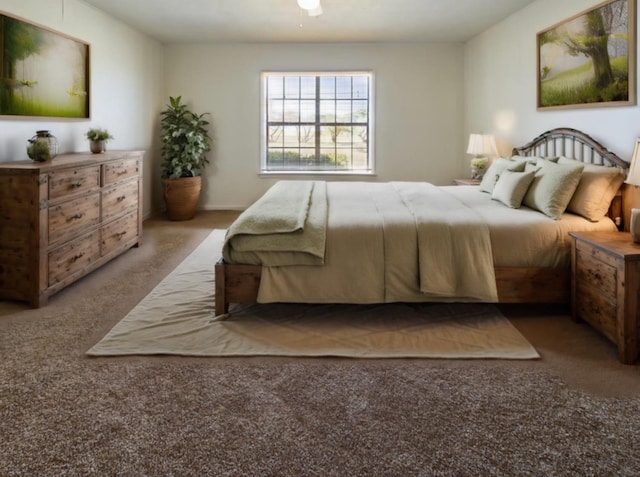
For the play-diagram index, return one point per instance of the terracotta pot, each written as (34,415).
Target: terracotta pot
(181,197)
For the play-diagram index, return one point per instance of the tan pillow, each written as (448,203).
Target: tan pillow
(552,187)
(596,189)
(495,169)
(511,187)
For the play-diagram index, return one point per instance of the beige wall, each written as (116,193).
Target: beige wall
(500,85)
(126,85)
(418,107)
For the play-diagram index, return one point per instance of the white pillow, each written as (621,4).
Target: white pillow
(596,189)
(511,187)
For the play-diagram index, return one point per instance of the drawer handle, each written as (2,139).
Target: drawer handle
(77,184)
(121,173)
(121,198)
(76,217)
(77,257)
(119,235)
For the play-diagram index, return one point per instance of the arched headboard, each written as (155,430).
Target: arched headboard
(580,146)
(573,144)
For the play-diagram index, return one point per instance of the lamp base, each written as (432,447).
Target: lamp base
(634,225)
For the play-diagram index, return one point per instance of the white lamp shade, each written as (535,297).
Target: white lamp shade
(482,145)
(309,4)
(633,177)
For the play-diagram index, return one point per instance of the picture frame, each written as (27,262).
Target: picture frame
(589,59)
(43,73)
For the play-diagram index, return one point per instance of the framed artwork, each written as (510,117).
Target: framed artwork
(43,73)
(589,60)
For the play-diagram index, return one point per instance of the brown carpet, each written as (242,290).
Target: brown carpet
(574,412)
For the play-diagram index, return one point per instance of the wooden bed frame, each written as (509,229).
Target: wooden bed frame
(240,283)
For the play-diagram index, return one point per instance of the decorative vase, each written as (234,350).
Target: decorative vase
(477,173)
(42,147)
(97,147)
(181,197)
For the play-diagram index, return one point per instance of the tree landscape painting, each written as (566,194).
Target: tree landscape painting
(42,73)
(589,59)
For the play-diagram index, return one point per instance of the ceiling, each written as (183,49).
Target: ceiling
(206,21)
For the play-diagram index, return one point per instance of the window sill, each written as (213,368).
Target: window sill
(317,173)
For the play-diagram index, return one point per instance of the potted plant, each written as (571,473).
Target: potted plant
(185,143)
(97,139)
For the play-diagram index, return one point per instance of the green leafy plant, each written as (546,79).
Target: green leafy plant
(39,150)
(185,140)
(97,134)
(479,162)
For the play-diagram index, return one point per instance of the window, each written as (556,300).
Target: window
(317,122)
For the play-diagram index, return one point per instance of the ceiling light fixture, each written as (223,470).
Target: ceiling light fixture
(312,7)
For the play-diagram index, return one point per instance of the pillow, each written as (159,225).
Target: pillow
(495,169)
(552,187)
(596,189)
(511,187)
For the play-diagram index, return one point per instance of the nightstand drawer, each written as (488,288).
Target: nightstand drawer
(597,311)
(599,275)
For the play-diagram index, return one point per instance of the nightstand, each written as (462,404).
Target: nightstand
(466,181)
(605,287)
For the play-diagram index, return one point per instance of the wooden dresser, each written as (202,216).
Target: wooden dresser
(606,287)
(61,219)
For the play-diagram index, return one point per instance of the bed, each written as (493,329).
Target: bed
(503,241)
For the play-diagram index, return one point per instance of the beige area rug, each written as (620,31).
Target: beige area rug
(177,318)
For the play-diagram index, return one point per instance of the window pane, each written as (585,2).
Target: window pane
(275,136)
(274,86)
(291,136)
(291,111)
(292,87)
(359,137)
(343,136)
(275,158)
(327,87)
(360,87)
(308,87)
(343,159)
(360,111)
(308,136)
(292,158)
(327,111)
(307,111)
(275,110)
(343,111)
(327,136)
(343,87)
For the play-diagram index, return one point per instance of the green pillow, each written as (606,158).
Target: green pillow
(511,187)
(552,187)
(496,168)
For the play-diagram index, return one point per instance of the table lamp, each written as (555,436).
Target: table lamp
(482,147)
(633,178)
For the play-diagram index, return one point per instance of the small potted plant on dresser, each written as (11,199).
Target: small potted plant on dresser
(98,138)
(185,143)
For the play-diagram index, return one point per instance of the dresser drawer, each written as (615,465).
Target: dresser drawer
(597,274)
(120,170)
(73,257)
(119,232)
(73,217)
(64,183)
(118,199)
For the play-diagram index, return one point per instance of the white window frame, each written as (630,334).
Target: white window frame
(370,170)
